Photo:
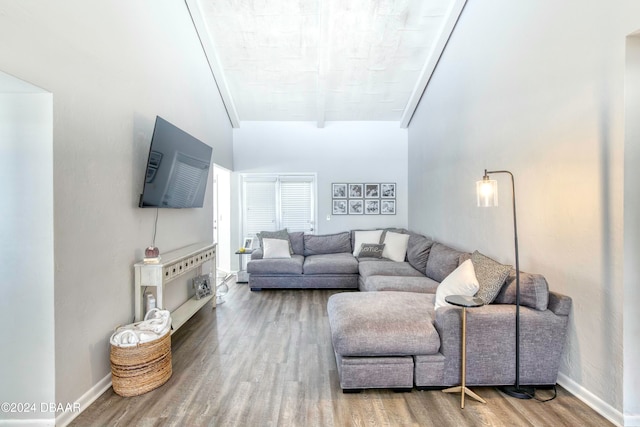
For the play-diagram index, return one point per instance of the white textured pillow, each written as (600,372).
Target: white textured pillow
(395,246)
(275,248)
(360,237)
(462,281)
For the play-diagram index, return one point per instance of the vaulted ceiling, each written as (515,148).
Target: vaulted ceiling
(323,60)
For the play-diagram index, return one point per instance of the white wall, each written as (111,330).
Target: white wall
(631,325)
(27,352)
(339,152)
(537,87)
(112,66)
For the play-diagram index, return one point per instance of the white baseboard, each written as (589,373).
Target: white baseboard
(598,405)
(29,423)
(85,400)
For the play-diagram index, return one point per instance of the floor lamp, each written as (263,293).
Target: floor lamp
(487,191)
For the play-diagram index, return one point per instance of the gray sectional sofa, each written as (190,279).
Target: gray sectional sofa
(390,335)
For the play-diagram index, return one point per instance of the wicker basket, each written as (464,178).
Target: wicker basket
(138,369)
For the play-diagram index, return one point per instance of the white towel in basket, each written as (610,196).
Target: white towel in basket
(155,325)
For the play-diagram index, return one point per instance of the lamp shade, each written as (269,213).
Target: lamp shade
(487,192)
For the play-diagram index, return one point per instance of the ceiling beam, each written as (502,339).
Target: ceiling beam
(204,34)
(324,44)
(430,65)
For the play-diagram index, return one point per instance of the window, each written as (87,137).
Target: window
(274,202)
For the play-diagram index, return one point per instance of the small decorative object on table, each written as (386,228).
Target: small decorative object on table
(202,286)
(151,255)
(248,244)
(222,289)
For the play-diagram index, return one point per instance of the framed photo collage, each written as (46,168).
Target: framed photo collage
(364,199)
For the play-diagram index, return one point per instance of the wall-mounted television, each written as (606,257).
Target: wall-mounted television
(177,169)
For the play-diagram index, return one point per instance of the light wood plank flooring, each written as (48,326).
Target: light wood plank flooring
(265,359)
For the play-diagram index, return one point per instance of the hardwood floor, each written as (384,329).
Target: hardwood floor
(265,359)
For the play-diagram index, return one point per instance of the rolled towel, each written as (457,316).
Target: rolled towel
(156,324)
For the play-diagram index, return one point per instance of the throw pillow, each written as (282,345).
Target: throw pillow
(462,281)
(491,276)
(395,246)
(418,251)
(280,234)
(327,243)
(369,236)
(275,248)
(442,261)
(371,250)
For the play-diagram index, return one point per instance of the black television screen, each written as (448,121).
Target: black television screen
(177,169)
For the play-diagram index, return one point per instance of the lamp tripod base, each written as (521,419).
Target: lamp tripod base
(519,392)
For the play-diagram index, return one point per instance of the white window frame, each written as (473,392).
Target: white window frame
(277,178)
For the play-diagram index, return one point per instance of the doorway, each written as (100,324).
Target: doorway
(221,218)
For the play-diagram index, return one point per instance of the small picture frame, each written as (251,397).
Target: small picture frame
(339,191)
(388,190)
(340,207)
(387,207)
(356,207)
(248,243)
(202,286)
(372,191)
(356,191)
(372,207)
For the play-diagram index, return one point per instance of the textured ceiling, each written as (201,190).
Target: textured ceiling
(322,60)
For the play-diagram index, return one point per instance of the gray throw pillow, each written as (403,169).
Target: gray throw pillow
(491,276)
(418,251)
(327,243)
(371,250)
(442,261)
(280,234)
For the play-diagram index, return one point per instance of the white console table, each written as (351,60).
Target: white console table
(171,266)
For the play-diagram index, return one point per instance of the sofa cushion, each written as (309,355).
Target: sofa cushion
(291,265)
(462,281)
(297,242)
(418,251)
(280,234)
(399,283)
(361,237)
(342,263)
(327,243)
(382,324)
(442,261)
(395,246)
(491,276)
(534,291)
(275,248)
(387,268)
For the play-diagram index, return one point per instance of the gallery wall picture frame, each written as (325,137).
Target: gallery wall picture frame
(372,207)
(372,191)
(340,207)
(339,191)
(356,206)
(356,191)
(388,190)
(387,207)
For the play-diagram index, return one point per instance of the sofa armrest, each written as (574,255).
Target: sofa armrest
(257,254)
(559,304)
(491,343)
